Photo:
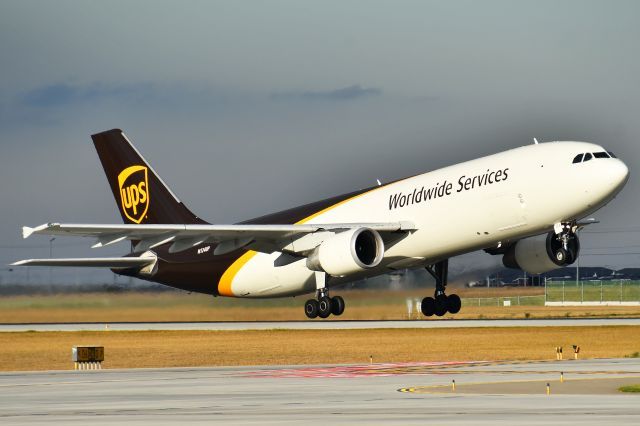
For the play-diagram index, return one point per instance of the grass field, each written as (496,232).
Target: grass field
(632,388)
(594,291)
(125,349)
(361,305)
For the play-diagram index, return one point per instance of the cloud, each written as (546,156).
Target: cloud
(61,101)
(51,103)
(57,102)
(64,94)
(343,94)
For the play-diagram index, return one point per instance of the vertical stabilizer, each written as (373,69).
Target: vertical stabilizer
(141,196)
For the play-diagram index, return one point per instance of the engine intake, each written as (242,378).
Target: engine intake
(541,253)
(348,252)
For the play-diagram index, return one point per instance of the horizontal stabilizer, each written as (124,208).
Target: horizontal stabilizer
(96,262)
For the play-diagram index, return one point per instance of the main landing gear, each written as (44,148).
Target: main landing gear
(323,305)
(440,304)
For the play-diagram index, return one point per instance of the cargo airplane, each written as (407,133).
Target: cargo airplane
(525,204)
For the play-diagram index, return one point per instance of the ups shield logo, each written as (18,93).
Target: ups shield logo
(134,192)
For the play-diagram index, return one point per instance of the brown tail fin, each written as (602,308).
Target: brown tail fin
(141,195)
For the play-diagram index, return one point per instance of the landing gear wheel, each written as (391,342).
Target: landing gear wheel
(561,256)
(454,303)
(324,307)
(337,305)
(311,308)
(441,305)
(428,306)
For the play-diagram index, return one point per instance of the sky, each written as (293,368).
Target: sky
(246,108)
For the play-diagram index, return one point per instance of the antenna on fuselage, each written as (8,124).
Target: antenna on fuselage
(535,140)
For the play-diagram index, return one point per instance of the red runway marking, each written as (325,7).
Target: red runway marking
(371,370)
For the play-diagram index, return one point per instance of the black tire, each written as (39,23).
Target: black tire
(454,303)
(441,306)
(561,257)
(311,308)
(428,306)
(324,309)
(337,305)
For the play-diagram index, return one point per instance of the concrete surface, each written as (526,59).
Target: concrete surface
(366,394)
(321,325)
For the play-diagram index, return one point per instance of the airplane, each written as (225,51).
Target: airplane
(526,204)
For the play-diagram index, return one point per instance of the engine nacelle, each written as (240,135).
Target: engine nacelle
(541,253)
(348,252)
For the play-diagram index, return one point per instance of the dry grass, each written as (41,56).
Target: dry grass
(361,305)
(123,349)
(190,314)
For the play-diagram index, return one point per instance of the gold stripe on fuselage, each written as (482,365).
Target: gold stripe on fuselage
(224,285)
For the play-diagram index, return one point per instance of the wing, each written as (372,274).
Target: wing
(265,238)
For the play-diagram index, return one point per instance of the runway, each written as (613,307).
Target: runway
(377,394)
(319,325)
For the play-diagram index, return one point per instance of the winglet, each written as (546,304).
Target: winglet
(27,230)
(20,262)
(26,233)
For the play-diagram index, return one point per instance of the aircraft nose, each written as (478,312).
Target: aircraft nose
(619,174)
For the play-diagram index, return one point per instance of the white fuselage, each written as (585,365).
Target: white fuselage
(458,209)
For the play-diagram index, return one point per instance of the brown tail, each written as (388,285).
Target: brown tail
(141,195)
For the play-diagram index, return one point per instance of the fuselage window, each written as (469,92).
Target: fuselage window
(587,157)
(612,155)
(578,158)
(600,155)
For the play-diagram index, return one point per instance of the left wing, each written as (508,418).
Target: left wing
(265,238)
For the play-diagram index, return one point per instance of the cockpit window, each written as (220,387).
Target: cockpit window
(581,158)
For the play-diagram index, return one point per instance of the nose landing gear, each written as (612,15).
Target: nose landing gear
(440,304)
(323,306)
(565,245)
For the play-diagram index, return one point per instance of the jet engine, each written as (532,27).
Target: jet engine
(348,252)
(542,253)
